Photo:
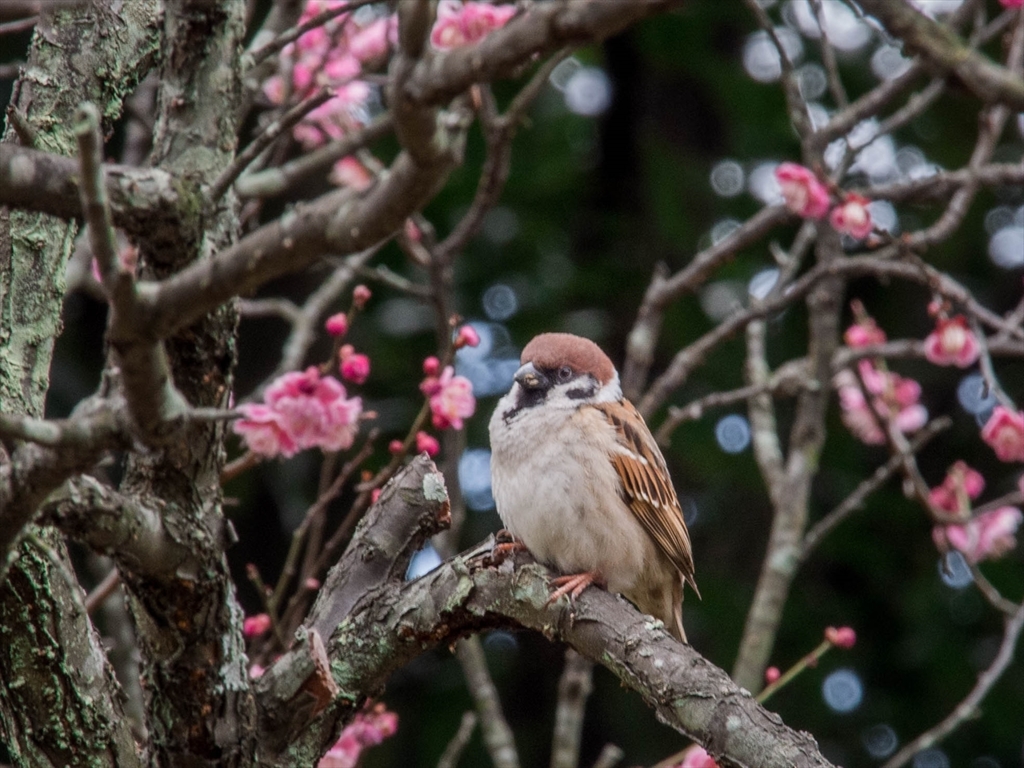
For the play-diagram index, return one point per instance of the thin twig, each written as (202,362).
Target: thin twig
(102,591)
(574,687)
(498,736)
(609,757)
(828,58)
(290,35)
(264,139)
(450,757)
(285,178)
(969,706)
(866,487)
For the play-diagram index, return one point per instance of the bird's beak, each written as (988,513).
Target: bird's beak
(530,378)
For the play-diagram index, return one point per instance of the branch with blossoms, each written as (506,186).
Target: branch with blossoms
(331,81)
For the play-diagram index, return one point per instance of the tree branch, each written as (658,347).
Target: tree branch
(944,49)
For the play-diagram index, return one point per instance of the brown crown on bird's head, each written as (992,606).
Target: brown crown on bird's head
(553,350)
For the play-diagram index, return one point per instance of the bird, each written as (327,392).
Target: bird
(579,480)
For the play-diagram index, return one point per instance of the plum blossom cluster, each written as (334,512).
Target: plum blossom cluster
(807,197)
(300,410)
(369,729)
(332,56)
(464,23)
(338,54)
(450,396)
(986,536)
(875,396)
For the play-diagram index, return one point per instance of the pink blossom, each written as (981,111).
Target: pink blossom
(374,495)
(1004,431)
(254,626)
(864,333)
(264,432)
(300,410)
(427,443)
(461,23)
(451,398)
(396,446)
(989,535)
(256,671)
(467,337)
(803,193)
(337,325)
(360,295)
(697,757)
(841,637)
(894,399)
(349,172)
(431,366)
(368,729)
(852,216)
(771,675)
(311,584)
(951,343)
(1012,3)
(373,41)
(355,367)
(961,484)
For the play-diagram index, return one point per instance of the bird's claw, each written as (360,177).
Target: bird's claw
(572,585)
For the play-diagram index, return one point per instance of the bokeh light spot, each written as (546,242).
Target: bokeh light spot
(423,562)
(588,91)
(500,302)
(475,479)
(727,178)
(880,740)
(974,394)
(955,574)
(843,690)
(933,757)
(732,433)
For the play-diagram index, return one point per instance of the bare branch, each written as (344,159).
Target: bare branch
(969,706)
(944,49)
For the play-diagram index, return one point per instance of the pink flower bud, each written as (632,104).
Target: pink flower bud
(771,675)
(852,216)
(311,584)
(355,367)
(256,671)
(467,337)
(803,193)
(431,366)
(427,443)
(842,637)
(254,626)
(1012,3)
(952,343)
(337,325)
(374,495)
(360,295)
(395,446)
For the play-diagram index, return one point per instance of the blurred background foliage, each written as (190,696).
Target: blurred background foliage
(612,175)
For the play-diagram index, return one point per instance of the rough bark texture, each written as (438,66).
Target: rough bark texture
(66,710)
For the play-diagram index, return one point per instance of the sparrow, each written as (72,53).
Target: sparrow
(578,478)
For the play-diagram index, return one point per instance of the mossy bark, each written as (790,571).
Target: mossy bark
(59,704)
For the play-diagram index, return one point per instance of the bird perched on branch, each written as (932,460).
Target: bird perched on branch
(578,478)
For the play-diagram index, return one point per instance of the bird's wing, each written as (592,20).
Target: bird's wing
(646,486)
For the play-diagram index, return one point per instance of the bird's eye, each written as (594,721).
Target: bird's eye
(564,373)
